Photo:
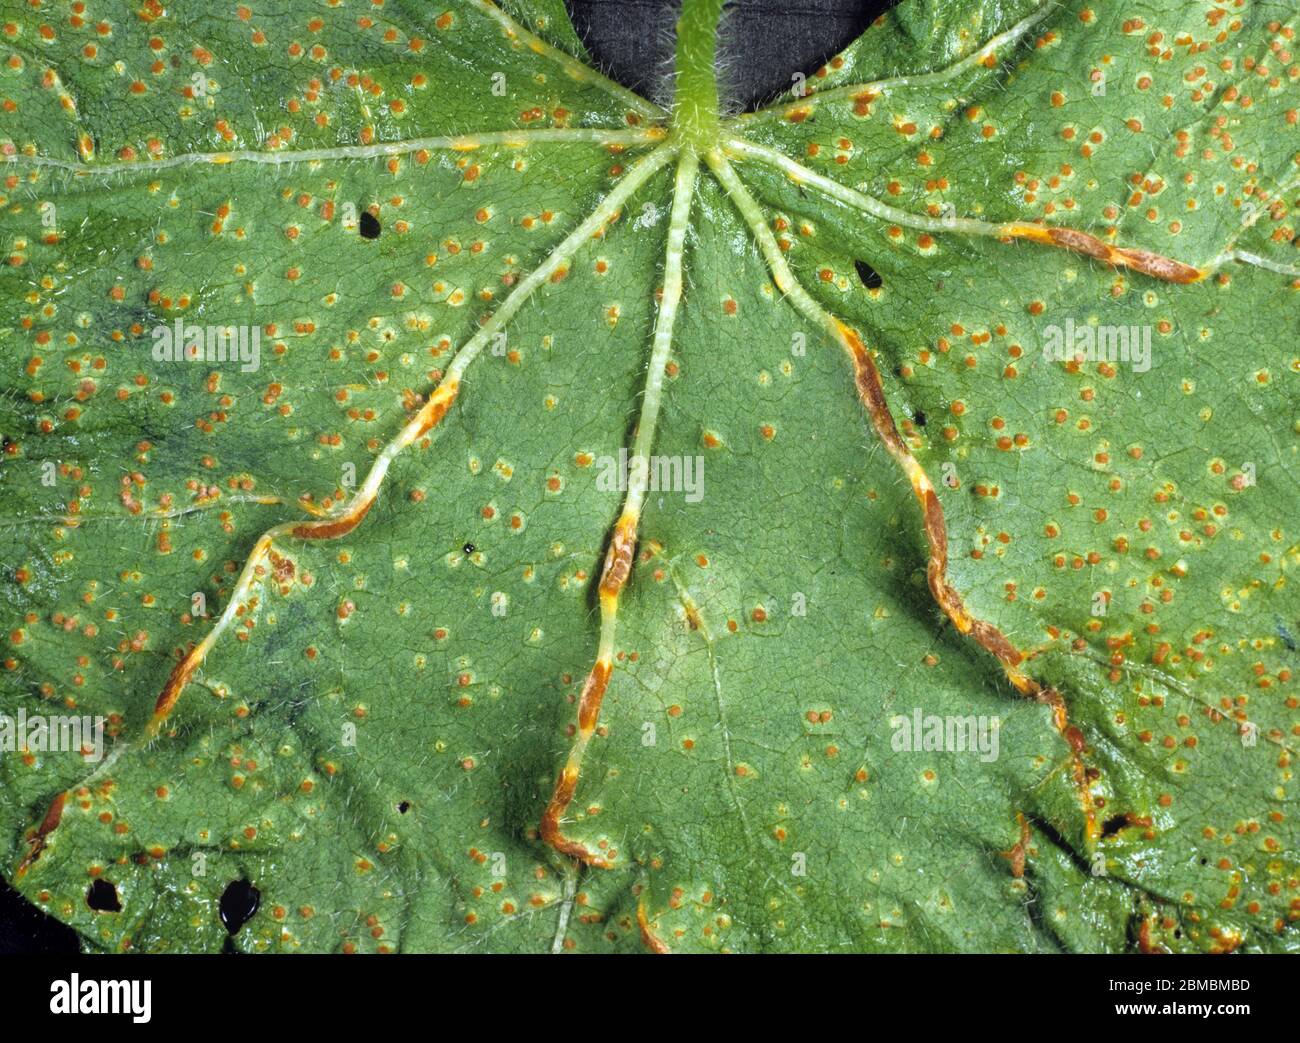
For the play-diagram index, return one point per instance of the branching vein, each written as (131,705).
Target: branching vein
(872,394)
(622,547)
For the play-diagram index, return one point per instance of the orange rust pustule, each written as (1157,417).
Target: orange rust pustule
(648,938)
(37,840)
(176,682)
(618,560)
(330,530)
(592,694)
(1016,855)
(1075,738)
(1145,944)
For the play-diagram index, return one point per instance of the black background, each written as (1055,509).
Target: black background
(762,43)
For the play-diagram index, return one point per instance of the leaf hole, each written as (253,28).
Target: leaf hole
(1113,825)
(103,898)
(870,277)
(369,225)
(239,901)
(403,807)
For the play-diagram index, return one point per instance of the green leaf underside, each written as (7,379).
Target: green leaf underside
(772,632)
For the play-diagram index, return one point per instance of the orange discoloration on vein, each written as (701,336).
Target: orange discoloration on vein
(327,528)
(565,787)
(592,694)
(334,528)
(617,568)
(618,559)
(36,842)
(651,940)
(436,408)
(1147,262)
(872,393)
(1144,261)
(176,682)
(985,634)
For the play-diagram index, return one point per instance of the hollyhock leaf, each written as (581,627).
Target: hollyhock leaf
(485,511)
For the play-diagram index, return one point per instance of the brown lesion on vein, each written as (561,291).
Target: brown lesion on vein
(330,527)
(864,95)
(349,515)
(1146,262)
(622,545)
(871,393)
(648,928)
(36,839)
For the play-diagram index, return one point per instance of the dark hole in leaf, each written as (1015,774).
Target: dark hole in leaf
(870,277)
(403,807)
(468,548)
(920,418)
(369,225)
(1113,825)
(102,897)
(239,901)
